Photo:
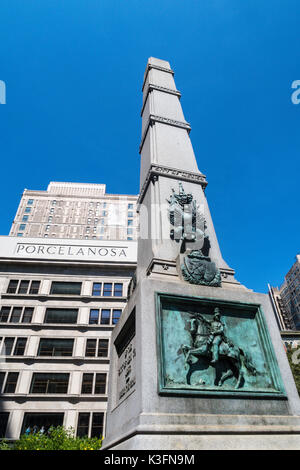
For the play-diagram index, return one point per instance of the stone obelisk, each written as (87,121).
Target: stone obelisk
(197,360)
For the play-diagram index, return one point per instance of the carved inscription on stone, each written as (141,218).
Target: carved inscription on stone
(126,370)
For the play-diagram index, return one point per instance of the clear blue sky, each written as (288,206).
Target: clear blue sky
(73,71)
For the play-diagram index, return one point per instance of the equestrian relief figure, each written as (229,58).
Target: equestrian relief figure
(210,342)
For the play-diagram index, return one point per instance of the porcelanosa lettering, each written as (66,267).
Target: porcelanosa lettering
(66,250)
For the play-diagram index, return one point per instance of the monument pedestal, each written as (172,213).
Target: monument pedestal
(156,413)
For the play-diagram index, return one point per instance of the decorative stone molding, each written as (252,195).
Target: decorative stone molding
(159,170)
(165,267)
(153,118)
(152,87)
(156,67)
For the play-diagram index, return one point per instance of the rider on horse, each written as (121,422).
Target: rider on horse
(217,334)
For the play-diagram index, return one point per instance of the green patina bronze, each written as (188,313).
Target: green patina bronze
(189,226)
(213,347)
(199,269)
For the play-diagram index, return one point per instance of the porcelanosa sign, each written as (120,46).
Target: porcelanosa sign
(43,250)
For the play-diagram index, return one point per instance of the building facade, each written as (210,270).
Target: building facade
(76,210)
(60,300)
(286,299)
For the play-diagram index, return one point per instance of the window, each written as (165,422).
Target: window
(30,201)
(27,315)
(12,287)
(22,226)
(92,348)
(116,315)
(91,426)
(130,222)
(66,288)
(27,210)
(105,317)
(107,289)
(61,315)
(24,218)
(87,383)
(97,288)
(11,382)
(118,290)
(23,287)
(55,347)
(93,384)
(103,348)
(83,424)
(129,231)
(34,287)
(7,346)
(53,202)
(20,234)
(130,214)
(104,213)
(129,238)
(45,420)
(94,316)
(97,425)
(3,423)
(100,384)
(15,314)
(49,383)
(4,314)
(130,206)
(20,347)
(2,377)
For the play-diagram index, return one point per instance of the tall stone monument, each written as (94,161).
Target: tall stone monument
(197,360)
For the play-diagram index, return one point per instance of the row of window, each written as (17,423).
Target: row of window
(16,314)
(88,424)
(100,289)
(97,316)
(54,202)
(55,383)
(53,347)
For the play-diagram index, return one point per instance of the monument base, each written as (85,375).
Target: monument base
(210,442)
(162,398)
(162,431)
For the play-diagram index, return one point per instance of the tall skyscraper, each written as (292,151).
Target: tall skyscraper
(76,210)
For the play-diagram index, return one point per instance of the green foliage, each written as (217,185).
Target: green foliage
(295,368)
(5,446)
(58,438)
